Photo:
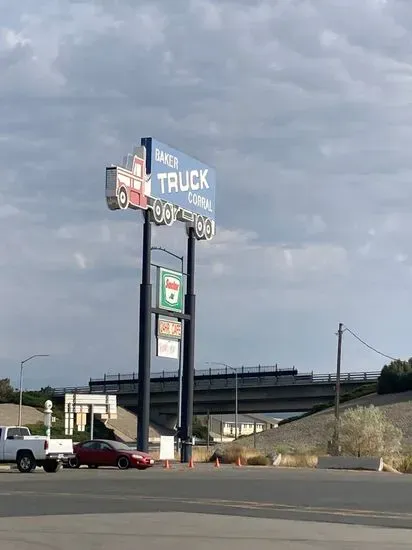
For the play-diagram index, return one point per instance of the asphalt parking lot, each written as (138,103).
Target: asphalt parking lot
(363,498)
(227,508)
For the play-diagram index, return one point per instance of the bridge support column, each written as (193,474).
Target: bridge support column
(168,421)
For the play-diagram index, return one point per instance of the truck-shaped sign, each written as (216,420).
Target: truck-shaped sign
(129,186)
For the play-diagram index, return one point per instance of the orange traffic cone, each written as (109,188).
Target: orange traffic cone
(238,462)
(217,463)
(166,465)
(191,463)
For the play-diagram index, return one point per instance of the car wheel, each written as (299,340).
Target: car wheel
(26,462)
(74,462)
(123,463)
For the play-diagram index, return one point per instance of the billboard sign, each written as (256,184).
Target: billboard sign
(170,290)
(168,348)
(169,328)
(171,184)
(179,179)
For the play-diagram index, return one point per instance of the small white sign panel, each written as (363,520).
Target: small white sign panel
(167,447)
(168,348)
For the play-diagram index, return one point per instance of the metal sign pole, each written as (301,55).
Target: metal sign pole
(92,422)
(145,342)
(189,351)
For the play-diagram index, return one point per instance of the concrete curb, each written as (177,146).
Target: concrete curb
(350,463)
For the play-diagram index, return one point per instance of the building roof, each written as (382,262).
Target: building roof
(246,418)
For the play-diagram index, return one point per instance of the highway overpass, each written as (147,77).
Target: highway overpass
(262,389)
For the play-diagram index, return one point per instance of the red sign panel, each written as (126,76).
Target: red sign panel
(169,329)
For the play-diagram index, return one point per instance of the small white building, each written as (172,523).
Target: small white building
(224,425)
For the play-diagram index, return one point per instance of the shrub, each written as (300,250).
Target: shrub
(230,454)
(365,431)
(299,461)
(404,464)
(259,460)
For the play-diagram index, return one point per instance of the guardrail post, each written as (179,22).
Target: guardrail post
(104,383)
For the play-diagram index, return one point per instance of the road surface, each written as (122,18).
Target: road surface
(226,508)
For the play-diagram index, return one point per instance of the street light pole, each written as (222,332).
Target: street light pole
(236,406)
(234,369)
(180,370)
(22,363)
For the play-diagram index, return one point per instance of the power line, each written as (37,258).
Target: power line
(371,347)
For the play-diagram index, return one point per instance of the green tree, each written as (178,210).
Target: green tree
(366,431)
(199,429)
(396,377)
(6,390)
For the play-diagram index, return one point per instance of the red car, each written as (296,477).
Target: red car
(102,452)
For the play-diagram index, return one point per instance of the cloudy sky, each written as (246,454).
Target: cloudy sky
(304,108)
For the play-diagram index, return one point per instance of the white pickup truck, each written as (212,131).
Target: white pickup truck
(18,446)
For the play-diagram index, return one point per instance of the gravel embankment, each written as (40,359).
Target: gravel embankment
(313,432)
(9,415)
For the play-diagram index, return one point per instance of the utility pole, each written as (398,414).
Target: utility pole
(337,391)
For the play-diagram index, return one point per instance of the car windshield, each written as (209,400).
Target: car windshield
(120,446)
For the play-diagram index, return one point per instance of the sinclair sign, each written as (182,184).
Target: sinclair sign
(172,185)
(170,287)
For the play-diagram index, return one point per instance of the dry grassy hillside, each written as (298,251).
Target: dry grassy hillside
(313,432)
(9,415)
(125,427)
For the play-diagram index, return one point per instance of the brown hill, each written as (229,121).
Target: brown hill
(314,431)
(125,427)
(9,415)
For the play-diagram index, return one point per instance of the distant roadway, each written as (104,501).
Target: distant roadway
(305,496)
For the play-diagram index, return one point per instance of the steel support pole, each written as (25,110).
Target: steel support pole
(21,392)
(189,351)
(145,323)
(236,407)
(91,422)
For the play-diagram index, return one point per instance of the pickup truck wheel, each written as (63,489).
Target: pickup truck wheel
(25,462)
(74,462)
(52,466)
(123,463)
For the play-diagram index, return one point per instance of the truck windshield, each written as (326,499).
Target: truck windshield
(17,432)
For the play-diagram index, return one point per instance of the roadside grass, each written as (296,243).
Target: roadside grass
(303,458)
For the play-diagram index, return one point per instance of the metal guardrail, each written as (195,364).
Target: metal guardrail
(214,372)
(213,378)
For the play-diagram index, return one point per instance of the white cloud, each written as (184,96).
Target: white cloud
(304,110)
